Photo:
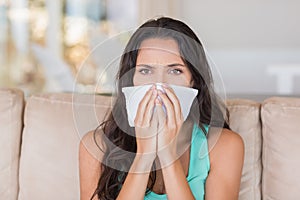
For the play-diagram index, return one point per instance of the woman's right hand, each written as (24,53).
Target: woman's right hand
(146,125)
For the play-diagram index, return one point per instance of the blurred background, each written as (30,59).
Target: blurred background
(47,45)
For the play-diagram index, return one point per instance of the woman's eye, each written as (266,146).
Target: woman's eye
(175,71)
(145,71)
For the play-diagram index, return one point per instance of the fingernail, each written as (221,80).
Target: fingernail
(165,85)
(157,101)
(154,92)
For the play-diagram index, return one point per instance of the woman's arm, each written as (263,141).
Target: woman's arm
(90,158)
(226,158)
(89,166)
(136,181)
(176,184)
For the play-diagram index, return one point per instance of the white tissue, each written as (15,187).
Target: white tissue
(134,94)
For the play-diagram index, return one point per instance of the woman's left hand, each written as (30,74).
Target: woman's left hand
(169,126)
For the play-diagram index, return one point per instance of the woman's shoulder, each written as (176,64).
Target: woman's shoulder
(224,143)
(92,143)
(89,164)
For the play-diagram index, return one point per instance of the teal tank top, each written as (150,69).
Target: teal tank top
(199,166)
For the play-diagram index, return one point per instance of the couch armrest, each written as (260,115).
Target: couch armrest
(11,114)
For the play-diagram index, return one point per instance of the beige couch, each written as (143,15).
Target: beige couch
(39,144)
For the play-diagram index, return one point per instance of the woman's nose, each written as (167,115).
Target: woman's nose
(159,78)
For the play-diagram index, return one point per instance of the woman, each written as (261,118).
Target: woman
(165,51)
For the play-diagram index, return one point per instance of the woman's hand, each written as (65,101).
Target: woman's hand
(156,133)
(169,126)
(146,125)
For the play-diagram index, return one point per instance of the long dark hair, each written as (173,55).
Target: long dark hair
(209,106)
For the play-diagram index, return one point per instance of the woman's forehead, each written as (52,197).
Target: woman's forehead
(159,51)
(160,44)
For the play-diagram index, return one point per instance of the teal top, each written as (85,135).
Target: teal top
(199,165)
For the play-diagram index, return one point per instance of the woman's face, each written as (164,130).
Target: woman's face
(159,61)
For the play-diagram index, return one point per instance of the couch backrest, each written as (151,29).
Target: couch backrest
(281,148)
(11,114)
(55,123)
(245,120)
(53,127)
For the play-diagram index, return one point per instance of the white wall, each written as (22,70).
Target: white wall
(244,24)
(245,37)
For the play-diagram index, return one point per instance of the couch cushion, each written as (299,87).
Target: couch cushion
(11,111)
(245,120)
(281,148)
(53,127)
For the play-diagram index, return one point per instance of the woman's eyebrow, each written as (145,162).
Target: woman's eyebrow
(169,65)
(175,65)
(145,65)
